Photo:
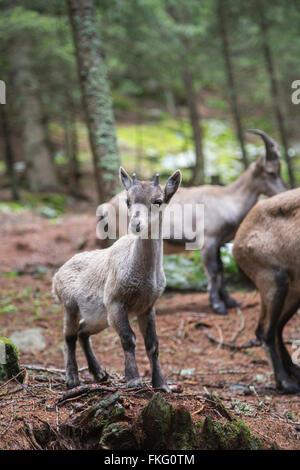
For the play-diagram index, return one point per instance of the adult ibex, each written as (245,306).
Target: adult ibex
(267,248)
(224,209)
(106,287)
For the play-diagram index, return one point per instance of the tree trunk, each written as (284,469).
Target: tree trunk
(96,96)
(275,92)
(71,145)
(39,165)
(231,81)
(181,15)
(170,101)
(195,120)
(9,155)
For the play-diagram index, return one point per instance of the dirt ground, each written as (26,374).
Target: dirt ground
(196,346)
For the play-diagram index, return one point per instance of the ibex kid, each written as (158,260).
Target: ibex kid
(107,287)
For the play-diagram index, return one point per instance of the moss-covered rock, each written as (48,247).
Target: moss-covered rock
(101,414)
(118,436)
(229,436)
(165,427)
(9,360)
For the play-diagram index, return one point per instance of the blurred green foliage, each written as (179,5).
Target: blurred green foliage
(48,205)
(144,48)
(186,272)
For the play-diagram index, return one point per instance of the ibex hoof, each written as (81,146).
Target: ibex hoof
(289,386)
(134,383)
(220,309)
(231,303)
(101,376)
(72,383)
(163,388)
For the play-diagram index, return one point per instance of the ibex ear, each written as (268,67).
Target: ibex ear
(172,185)
(125,179)
(260,165)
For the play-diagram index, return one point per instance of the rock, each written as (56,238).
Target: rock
(118,436)
(29,341)
(229,436)
(9,360)
(165,427)
(187,372)
(240,389)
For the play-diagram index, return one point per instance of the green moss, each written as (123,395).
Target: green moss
(184,433)
(165,427)
(156,419)
(103,413)
(229,436)
(118,436)
(9,364)
(50,205)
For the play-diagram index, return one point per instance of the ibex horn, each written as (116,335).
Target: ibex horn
(134,179)
(270,144)
(156,180)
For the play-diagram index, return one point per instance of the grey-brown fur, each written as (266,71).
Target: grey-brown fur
(267,247)
(106,287)
(224,209)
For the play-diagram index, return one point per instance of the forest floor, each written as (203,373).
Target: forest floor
(195,355)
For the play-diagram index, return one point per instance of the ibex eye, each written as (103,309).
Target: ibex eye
(157,202)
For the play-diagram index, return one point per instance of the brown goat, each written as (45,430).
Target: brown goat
(267,248)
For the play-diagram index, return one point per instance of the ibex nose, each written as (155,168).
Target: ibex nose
(135,225)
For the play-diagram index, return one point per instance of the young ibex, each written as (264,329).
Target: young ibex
(267,248)
(224,209)
(107,287)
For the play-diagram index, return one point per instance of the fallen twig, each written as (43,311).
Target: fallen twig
(30,436)
(241,328)
(14,390)
(10,422)
(13,378)
(46,369)
(83,390)
(222,343)
(232,346)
